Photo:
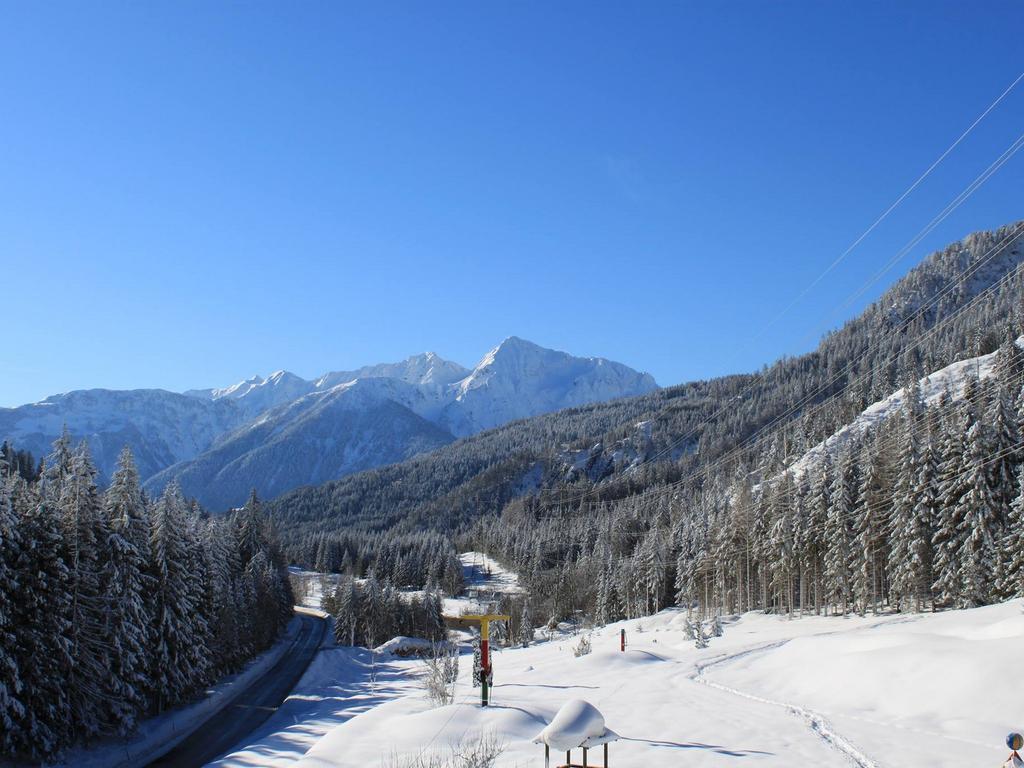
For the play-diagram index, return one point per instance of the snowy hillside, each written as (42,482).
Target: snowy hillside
(162,428)
(951,379)
(897,691)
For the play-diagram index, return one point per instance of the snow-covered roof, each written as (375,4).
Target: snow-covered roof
(577,724)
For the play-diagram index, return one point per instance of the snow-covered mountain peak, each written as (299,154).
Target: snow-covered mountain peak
(427,369)
(363,418)
(518,379)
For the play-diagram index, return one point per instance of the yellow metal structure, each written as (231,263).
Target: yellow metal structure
(485,620)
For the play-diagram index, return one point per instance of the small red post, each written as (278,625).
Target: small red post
(622,640)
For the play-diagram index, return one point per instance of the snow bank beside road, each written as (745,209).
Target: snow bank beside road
(340,684)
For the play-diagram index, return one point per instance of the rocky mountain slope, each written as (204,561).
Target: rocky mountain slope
(278,432)
(161,428)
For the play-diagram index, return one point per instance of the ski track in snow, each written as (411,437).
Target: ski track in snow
(815,721)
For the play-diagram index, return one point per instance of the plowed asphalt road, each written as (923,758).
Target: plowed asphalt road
(236,721)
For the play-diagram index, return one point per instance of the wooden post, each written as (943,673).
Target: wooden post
(606,754)
(547,756)
(622,640)
(584,757)
(568,758)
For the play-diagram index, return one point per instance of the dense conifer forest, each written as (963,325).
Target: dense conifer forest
(114,606)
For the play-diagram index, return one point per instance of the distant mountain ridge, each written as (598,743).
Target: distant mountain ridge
(958,304)
(281,431)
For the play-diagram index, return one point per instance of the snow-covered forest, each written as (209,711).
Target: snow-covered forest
(924,511)
(114,606)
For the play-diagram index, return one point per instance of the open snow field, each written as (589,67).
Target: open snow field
(935,690)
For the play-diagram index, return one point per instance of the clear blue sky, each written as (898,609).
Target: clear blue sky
(191,193)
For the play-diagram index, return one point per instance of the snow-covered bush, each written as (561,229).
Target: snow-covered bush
(583,647)
(716,627)
(700,640)
(441,670)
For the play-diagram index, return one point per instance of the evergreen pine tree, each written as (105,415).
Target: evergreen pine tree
(42,621)
(1013,546)
(978,516)
(949,534)
(10,677)
(125,586)
(525,625)
(173,610)
(72,491)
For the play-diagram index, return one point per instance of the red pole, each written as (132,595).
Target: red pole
(485,663)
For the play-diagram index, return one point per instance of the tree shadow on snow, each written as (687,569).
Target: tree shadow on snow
(716,748)
(543,685)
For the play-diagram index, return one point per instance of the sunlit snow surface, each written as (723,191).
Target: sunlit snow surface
(895,691)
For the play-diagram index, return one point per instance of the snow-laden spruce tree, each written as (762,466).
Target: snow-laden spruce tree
(904,578)
(948,540)
(1013,545)
(839,533)
(783,551)
(227,642)
(978,515)
(346,619)
(42,630)
(10,678)
(814,522)
(71,490)
(125,586)
(372,618)
(525,625)
(871,546)
(174,632)
(252,529)
(925,514)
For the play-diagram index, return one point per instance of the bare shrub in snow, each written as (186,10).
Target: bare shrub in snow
(441,670)
(583,647)
(480,751)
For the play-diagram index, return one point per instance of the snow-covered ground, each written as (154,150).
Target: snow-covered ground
(935,690)
(309,585)
(893,691)
(485,579)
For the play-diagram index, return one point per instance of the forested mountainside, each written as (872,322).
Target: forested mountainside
(960,302)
